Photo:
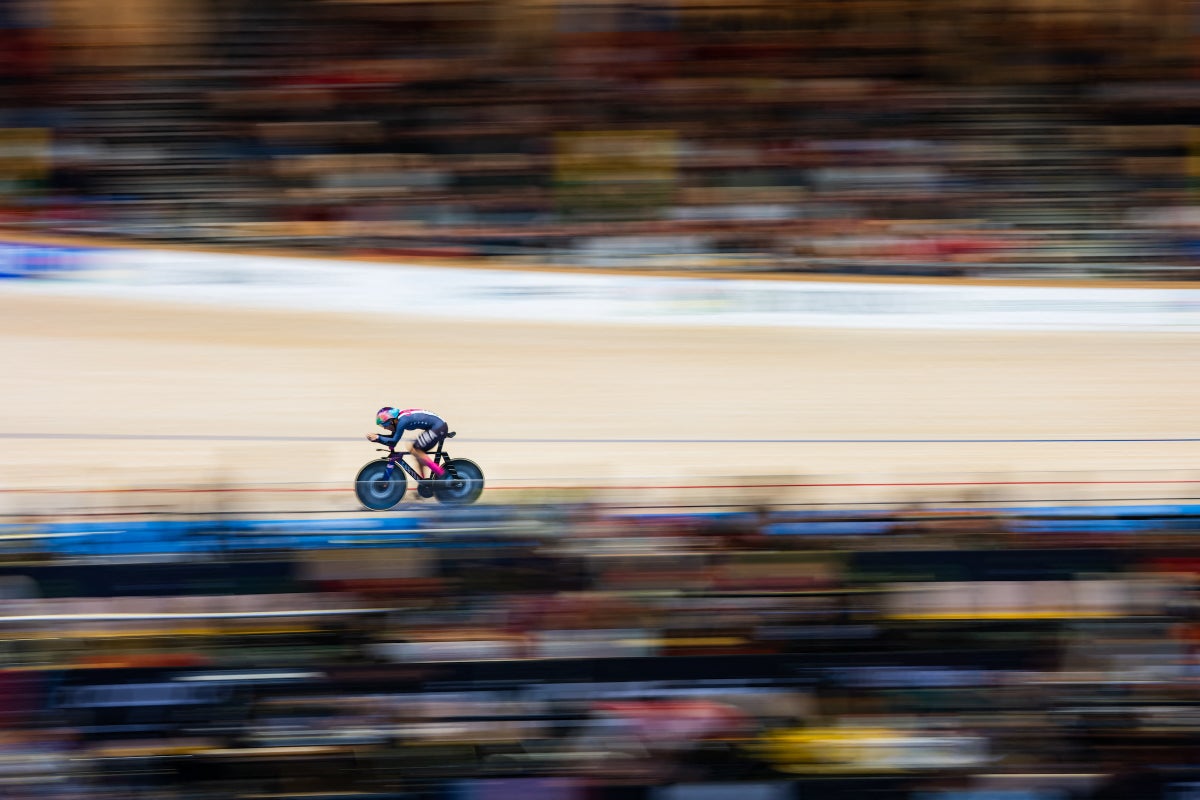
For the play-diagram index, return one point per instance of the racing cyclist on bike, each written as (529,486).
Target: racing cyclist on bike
(433,430)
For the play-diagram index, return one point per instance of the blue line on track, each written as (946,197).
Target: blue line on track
(205,437)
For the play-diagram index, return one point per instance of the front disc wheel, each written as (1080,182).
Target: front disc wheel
(376,489)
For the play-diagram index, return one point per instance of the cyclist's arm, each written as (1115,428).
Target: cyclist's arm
(390,440)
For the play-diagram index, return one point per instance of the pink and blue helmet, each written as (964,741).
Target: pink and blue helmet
(386,416)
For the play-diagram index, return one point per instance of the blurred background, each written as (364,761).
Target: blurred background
(979,138)
(758,645)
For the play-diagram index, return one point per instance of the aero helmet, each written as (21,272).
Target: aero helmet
(386,415)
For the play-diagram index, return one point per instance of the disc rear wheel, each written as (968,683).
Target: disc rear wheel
(462,484)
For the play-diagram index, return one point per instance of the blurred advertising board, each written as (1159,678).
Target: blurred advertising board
(588,174)
(24,157)
(615,170)
(21,695)
(534,788)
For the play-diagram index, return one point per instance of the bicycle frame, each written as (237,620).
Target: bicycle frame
(439,456)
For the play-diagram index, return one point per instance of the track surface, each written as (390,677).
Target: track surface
(86,380)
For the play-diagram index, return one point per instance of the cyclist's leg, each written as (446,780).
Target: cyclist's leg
(425,442)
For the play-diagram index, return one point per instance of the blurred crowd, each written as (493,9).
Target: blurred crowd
(572,652)
(1046,137)
(580,651)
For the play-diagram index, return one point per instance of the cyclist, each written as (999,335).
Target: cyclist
(433,430)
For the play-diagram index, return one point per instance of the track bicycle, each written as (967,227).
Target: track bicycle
(381,483)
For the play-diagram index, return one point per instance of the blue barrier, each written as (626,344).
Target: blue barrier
(211,536)
(446,529)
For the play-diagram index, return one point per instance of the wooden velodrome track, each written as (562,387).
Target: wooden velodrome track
(102,394)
